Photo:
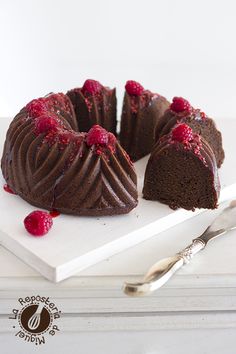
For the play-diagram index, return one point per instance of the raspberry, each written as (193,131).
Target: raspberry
(179,104)
(182,133)
(111,139)
(92,86)
(45,124)
(36,107)
(38,223)
(134,88)
(111,142)
(97,135)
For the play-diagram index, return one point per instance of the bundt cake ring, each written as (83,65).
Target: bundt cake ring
(61,151)
(51,165)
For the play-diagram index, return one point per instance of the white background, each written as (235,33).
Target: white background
(183,47)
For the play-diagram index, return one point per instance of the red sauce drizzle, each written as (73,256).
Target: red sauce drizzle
(54,213)
(8,189)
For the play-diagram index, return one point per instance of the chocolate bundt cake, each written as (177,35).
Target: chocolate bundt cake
(180,111)
(182,171)
(94,104)
(47,162)
(142,110)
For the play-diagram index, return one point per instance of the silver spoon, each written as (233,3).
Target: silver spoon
(163,270)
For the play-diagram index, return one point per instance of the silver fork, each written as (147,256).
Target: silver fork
(164,269)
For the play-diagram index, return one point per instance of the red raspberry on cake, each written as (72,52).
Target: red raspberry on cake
(36,107)
(38,223)
(179,104)
(111,139)
(182,133)
(134,88)
(45,124)
(97,136)
(92,87)
(111,142)
(94,103)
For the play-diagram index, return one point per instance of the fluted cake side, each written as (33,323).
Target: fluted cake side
(52,166)
(141,112)
(94,104)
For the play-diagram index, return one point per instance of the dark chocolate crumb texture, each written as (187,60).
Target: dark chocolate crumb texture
(141,112)
(182,171)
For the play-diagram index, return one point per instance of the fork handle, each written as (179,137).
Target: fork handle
(163,270)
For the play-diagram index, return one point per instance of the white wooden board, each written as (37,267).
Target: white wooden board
(75,243)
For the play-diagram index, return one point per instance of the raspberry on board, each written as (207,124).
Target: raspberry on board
(38,223)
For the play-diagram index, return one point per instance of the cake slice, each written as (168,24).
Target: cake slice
(94,104)
(182,171)
(142,110)
(180,111)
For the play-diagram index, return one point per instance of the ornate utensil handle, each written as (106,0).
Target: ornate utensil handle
(163,270)
(188,252)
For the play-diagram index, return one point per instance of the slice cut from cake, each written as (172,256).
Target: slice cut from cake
(142,110)
(180,111)
(182,171)
(94,104)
